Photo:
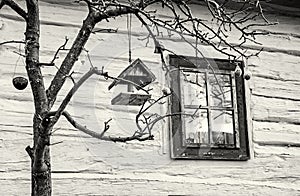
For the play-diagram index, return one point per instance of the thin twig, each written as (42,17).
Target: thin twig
(12,42)
(106,127)
(62,47)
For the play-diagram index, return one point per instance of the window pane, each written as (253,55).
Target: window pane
(194,89)
(220,90)
(196,126)
(222,127)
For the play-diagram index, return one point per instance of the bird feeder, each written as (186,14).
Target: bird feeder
(136,76)
(20,83)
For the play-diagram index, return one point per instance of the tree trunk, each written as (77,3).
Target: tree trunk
(41,180)
(40,173)
(40,153)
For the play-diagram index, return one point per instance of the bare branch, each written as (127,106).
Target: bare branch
(77,47)
(150,125)
(1,3)
(77,85)
(55,143)
(101,10)
(20,54)
(13,5)
(106,127)
(101,136)
(155,101)
(156,43)
(12,42)
(62,47)
(67,64)
(68,97)
(261,11)
(29,151)
(106,30)
(158,47)
(143,110)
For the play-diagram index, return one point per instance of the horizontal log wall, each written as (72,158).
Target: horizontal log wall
(86,166)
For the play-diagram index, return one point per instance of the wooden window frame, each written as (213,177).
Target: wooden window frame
(181,151)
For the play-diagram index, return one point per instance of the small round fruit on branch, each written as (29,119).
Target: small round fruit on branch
(247,75)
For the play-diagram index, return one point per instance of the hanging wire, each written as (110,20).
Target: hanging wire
(245,60)
(129,19)
(15,69)
(196,57)
(196,50)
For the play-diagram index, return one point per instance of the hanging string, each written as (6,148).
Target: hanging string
(197,80)
(196,50)
(15,69)
(129,17)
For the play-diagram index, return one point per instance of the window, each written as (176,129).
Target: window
(209,110)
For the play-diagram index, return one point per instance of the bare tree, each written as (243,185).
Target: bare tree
(183,23)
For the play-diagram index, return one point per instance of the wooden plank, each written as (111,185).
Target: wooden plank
(130,99)
(276,139)
(275,110)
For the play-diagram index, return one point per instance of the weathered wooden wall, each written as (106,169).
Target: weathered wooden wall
(86,166)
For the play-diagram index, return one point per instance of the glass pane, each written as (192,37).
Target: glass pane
(220,90)
(222,127)
(196,126)
(194,89)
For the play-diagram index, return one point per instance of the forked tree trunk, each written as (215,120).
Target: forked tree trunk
(40,153)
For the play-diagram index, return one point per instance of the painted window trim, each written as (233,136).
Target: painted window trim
(181,151)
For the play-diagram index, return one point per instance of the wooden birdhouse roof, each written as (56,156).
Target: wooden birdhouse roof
(137,72)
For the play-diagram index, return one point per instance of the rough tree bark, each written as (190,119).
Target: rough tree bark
(41,169)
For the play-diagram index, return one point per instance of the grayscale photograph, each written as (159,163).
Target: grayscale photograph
(150,97)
